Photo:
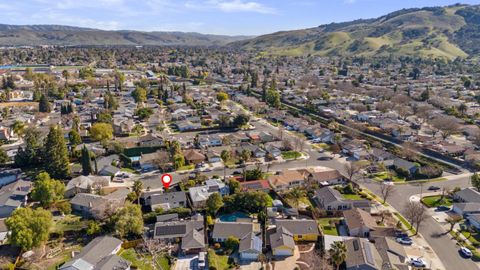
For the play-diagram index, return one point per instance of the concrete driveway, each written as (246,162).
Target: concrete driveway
(187,263)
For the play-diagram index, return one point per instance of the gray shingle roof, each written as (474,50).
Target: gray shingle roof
(282,237)
(299,226)
(236,229)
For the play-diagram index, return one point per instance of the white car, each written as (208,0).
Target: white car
(417,263)
(466,252)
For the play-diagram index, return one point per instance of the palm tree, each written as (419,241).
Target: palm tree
(137,189)
(338,253)
(296,194)
(245,156)
(225,155)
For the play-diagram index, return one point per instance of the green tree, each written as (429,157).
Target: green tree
(56,154)
(137,188)
(30,155)
(101,132)
(3,157)
(93,228)
(178,161)
(64,207)
(18,127)
(139,94)
(129,220)
(47,190)
(86,161)
(222,96)
(338,253)
(273,98)
(29,228)
(232,243)
(240,120)
(44,105)
(234,186)
(74,138)
(296,194)
(225,155)
(214,203)
(475,180)
(245,156)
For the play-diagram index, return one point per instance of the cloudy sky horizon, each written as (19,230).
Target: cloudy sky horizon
(226,17)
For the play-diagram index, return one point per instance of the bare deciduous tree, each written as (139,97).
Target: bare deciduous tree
(386,191)
(352,169)
(415,214)
(155,249)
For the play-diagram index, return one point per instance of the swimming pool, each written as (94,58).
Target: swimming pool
(233,217)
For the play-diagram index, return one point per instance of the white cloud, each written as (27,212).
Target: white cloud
(231,6)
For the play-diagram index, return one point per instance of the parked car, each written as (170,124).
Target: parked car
(433,188)
(405,241)
(467,253)
(442,208)
(325,158)
(400,234)
(201,260)
(417,262)
(236,173)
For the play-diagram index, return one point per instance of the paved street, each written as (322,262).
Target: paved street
(431,230)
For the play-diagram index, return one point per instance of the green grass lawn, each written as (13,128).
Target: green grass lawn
(186,168)
(352,197)
(144,262)
(405,223)
(386,175)
(128,170)
(220,262)
(434,201)
(291,155)
(70,223)
(326,227)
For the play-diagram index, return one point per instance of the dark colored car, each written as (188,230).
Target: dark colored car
(433,188)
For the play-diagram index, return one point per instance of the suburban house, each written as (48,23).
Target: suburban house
(190,232)
(286,179)
(361,254)
(324,176)
(301,229)
(87,205)
(474,220)
(282,243)
(165,201)
(465,209)
(392,253)
(193,156)
(149,162)
(258,185)
(85,184)
(250,246)
(223,230)
(330,199)
(13,196)
(359,223)
(409,167)
(200,194)
(100,253)
(467,195)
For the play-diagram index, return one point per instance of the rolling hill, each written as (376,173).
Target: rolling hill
(34,35)
(447,32)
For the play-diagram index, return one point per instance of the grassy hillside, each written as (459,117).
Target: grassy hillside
(447,32)
(11,35)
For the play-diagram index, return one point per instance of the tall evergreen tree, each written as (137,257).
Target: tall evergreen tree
(56,154)
(264,90)
(44,105)
(86,161)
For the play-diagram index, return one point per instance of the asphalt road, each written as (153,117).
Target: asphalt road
(431,230)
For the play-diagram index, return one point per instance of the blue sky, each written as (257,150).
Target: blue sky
(233,17)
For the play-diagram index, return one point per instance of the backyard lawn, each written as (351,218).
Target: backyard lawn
(326,227)
(385,175)
(434,201)
(220,262)
(352,197)
(291,155)
(144,262)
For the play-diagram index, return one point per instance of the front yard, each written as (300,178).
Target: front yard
(435,201)
(220,262)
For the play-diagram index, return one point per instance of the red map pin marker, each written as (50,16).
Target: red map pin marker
(166,180)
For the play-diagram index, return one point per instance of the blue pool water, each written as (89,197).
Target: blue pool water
(233,217)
